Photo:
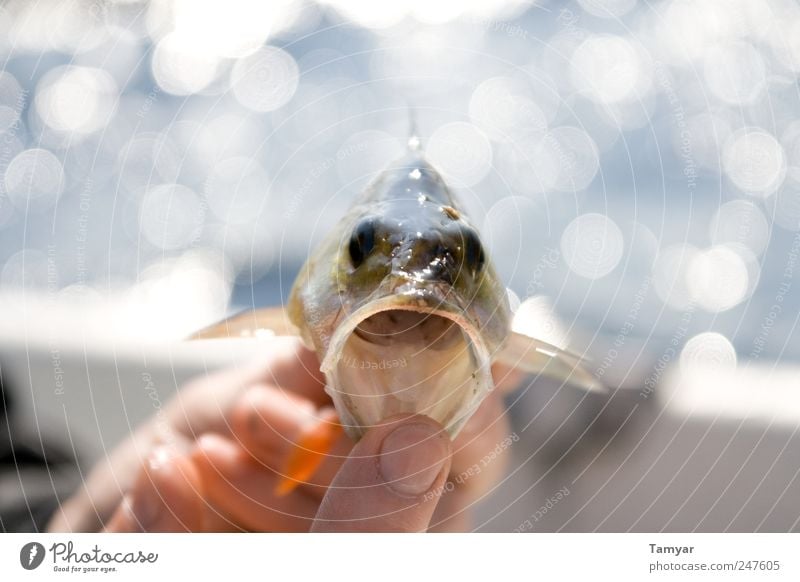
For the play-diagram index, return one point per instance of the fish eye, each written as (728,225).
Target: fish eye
(362,241)
(474,257)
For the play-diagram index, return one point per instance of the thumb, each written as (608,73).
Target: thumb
(391,481)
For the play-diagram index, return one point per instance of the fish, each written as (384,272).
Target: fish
(406,312)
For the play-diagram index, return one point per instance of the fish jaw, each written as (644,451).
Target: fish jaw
(445,377)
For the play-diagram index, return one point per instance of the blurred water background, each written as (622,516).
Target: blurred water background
(178,155)
(634,166)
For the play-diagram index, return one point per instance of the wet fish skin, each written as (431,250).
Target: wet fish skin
(421,240)
(407,245)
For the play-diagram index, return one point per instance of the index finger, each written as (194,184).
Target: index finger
(205,403)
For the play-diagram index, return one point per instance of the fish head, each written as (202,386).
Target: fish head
(404,306)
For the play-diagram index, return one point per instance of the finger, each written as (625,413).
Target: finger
(266,421)
(296,369)
(205,403)
(240,488)
(506,378)
(202,406)
(317,485)
(391,481)
(94,503)
(481,450)
(453,513)
(166,497)
(289,434)
(480,460)
(101,493)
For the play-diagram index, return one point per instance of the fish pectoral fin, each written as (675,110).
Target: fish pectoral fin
(254,323)
(308,452)
(537,357)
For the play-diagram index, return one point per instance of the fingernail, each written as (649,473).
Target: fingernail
(412,456)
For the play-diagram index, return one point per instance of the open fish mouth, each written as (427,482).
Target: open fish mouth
(408,352)
(421,329)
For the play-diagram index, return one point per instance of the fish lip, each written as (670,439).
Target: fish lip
(427,299)
(429,295)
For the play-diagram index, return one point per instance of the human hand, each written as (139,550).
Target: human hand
(212,460)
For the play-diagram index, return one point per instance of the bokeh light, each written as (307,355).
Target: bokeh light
(179,70)
(670,275)
(607,8)
(717,279)
(171,216)
(237,189)
(172,297)
(503,109)
(708,351)
(592,245)
(34,179)
(755,162)
(26,269)
(576,155)
(265,80)
(76,100)
(786,207)
(216,28)
(736,73)
(740,221)
(518,234)
(364,155)
(461,152)
(609,69)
